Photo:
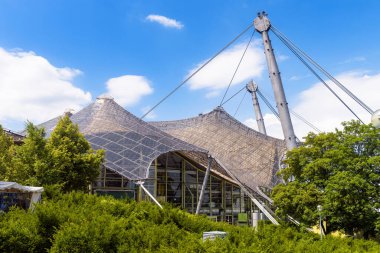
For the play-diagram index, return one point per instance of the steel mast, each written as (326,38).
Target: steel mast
(252,88)
(262,25)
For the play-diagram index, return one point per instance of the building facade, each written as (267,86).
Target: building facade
(176,179)
(170,160)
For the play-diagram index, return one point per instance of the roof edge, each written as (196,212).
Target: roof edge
(219,110)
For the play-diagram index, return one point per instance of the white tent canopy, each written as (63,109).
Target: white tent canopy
(35,191)
(13,185)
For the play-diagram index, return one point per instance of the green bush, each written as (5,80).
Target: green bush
(19,232)
(77,222)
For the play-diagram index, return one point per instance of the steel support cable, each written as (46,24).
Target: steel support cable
(333,79)
(241,101)
(316,75)
(268,104)
(297,115)
(233,96)
(196,71)
(262,96)
(305,121)
(272,109)
(237,67)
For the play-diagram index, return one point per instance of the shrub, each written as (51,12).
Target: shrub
(77,222)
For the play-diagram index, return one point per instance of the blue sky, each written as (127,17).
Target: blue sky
(63,54)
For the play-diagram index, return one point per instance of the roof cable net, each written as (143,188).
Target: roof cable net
(252,157)
(130,144)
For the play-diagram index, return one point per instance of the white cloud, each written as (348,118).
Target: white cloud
(128,89)
(282,58)
(165,21)
(317,105)
(321,108)
(32,88)
(272,125)
(251,122)
(354,59)
(217,74)
(213,93)
(297,78)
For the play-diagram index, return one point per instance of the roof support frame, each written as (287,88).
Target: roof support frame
(260,205)
(141,184)
(205,179)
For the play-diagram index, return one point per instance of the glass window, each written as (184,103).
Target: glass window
(117,194)
(149,185)
(113,183)
(174,175)
(205,207)
(247,203)
(112,179)
(161,189)
(190,188)
(152,172)
(236,197)
(174,193)
(228,194)
(174,161)
(180,182)
(216,196)
(169,178)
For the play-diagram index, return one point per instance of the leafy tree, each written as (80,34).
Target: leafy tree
(31,159)
(65,160)
(341,172)
(6,153)
(73,164)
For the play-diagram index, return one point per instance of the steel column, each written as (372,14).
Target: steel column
(252,88)
(148,193)
(205,180)
(262,25)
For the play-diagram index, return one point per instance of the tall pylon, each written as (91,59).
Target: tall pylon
(252,88)
(262,25)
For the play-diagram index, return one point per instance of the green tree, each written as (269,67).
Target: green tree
(6,153)
(31,159)
(341,172)
(73,163)
(64,161)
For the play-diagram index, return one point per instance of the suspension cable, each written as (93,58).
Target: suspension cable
(268,104)
(305,121)
(233,96)
(241,101)
(292,112)
(237,67)
(196,71)
(297,115)
(316,75)
(333,79)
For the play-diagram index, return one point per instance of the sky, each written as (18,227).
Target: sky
(60,55)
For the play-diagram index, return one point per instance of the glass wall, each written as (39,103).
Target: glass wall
(175,179)
(179,181)
(190,188)
(112,183)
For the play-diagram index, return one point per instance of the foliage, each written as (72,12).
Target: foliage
(6,152)
(339,171)
(65,160)
(78,222)
(74,165)
(30,159)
